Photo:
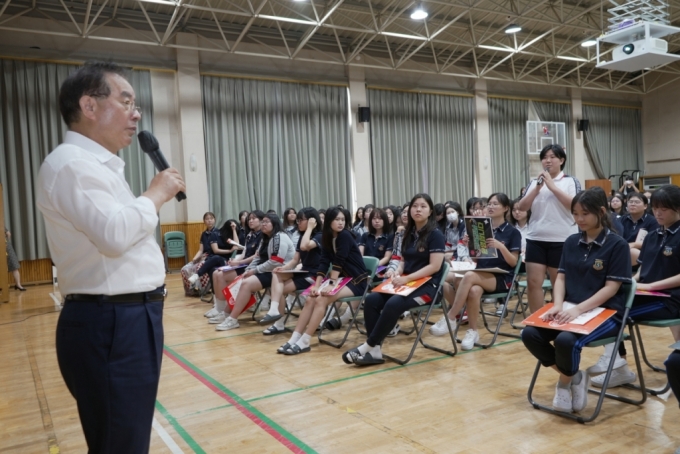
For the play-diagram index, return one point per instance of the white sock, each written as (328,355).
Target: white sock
(376,352)
(279,323)
(364,348)
(294,338)
(220,305)
(609,349)
(274,308)
(344,318)
(303,342)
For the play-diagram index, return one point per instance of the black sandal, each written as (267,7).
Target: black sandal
(273,330)
(350,356)
(296,350)
(368,360)
(269,319)
(333,324)
(283,348)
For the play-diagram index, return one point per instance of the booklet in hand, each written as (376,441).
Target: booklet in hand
(583,324)
(326,283)
(478,230)
(651,293)
(403,290)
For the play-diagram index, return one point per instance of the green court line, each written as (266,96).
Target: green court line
(251,410)
(179,429)
(365,374)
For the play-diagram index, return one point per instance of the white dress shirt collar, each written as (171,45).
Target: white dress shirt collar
(98,151)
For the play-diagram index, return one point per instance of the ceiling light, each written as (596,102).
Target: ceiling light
(589,43)
(419,13)
(513,28)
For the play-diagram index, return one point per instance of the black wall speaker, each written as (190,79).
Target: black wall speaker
(582,125)
(364,115)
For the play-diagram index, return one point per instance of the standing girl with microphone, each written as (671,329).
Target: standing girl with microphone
(549,198)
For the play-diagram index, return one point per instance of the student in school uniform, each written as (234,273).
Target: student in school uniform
(634,221)
(659,271)
(290,224)
(392,216)
(220,248)
(423,256)
(340,252)
(594,264)
(376,243)
(363,227)
(520,220)
(276,249)
(440,216)
(468,291)
(618,204)
(243,228)
(396,245)
(549,199)
(222,279)
(204,251)
(307,255)
(358,217)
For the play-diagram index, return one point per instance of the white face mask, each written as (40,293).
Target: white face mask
(452,217)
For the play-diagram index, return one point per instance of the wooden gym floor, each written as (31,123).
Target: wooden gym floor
(230,392)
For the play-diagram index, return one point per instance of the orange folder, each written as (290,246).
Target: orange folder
(403,290)
(587,328)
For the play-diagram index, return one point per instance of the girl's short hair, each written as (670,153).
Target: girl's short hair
(378,213)
(668,197)
(558,151)
(511,217)
(593,200)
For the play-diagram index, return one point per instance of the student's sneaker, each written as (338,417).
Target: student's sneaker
(579,393)
(193,279)
(600,367)
(489,300)
(406,314)
(439,328)
(500,310)
(394,331)
(620,376)
(471,337)
(562,399)
(211,313)
(217,319)
(227,324)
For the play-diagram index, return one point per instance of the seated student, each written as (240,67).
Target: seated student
(289,221)
(440,216)
(423,256)
(204,251)
(340,251)
(618,205)
(322,216)
(594,264)
(392,216)
(222,279)
(636,220)
(396,245)
(363,227)
(358,217)
(221,250)
(507,240)
(519,219)
(276,249)
(307,254)
(243,228)
(659,271)
(376,243)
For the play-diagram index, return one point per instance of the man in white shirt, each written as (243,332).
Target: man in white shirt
(101,238)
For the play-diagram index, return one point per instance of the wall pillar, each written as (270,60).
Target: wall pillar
(361,141)
(483,177)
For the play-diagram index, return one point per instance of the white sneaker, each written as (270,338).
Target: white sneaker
(217,319)
(600,367)
(394,331)
(579,393)
(227,324)
(439,328)
(471,336)
(620,376)
(211,313)
(500,310)
(406,314)
(562,399)
(489,300)
(193,278)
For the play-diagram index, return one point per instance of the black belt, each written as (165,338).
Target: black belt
(143,297)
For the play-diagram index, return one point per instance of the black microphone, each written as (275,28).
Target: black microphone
(538,182)
(149,145)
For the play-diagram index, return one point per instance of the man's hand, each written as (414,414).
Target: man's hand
(164,186)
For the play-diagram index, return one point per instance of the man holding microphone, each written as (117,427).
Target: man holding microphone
(101,238)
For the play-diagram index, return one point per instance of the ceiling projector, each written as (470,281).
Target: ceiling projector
(638,47)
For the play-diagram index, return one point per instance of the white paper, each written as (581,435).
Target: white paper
(641,236)
(463,266)
(584,317)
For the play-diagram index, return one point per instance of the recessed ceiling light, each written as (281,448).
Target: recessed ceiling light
(419,13)
(513,28)
(589,43)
